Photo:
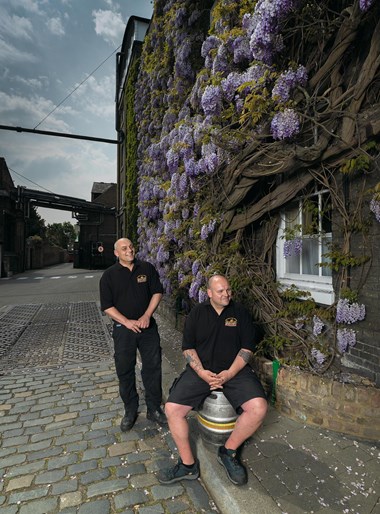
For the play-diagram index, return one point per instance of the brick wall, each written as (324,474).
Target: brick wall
(364,357)
(348,408)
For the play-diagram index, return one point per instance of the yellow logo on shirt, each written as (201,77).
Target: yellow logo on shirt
(230,322)
(141,278)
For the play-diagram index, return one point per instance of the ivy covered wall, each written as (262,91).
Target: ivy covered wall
(242,107)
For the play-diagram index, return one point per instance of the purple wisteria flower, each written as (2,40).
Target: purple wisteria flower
(162,254)
(183,186)
(263,28)
(375,208)
(365,4)
(196,266)
(210,157)
(207,229)
(318,356)
(346,338)
(195,285)
(180,17)
(202,295)
(317,326)
(292,247)
(221,63)
(182,64)
(172,159)
(287,81)
(285,124)
(241,50)
(212,101)
(300,322)
(209,44)
(348,313)
(230,84)
(191,167)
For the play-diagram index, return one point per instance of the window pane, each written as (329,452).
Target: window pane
(326,213)
(292,218)
(310,256)
(326,243)
(310,216)
(293,264)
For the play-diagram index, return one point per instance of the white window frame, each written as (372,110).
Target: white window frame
(320,287)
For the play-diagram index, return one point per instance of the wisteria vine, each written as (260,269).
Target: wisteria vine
(195,83)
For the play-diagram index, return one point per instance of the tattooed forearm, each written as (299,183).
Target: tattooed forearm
(193,360)
(245,355)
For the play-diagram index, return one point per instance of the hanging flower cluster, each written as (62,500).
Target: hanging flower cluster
(317,326)
(292,247)
(318,356)
(347,313)
(346,338)
(365,4)
(285,124)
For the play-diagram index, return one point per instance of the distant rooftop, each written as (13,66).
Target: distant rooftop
(101,187)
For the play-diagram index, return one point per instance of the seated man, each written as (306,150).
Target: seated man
(218,341)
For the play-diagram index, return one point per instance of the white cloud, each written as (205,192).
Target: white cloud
(55,26)
(41,82)
(95,96)
(109,25)
(15,26)
(11,54)
(32,6)
(18,110)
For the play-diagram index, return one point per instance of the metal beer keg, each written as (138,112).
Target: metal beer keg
(216,418)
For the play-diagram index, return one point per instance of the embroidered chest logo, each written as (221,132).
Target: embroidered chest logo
(141,279)
(230,322)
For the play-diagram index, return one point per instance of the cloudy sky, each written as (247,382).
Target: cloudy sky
(47,49)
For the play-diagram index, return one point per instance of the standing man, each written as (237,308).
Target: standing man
(130,292)
(218,341)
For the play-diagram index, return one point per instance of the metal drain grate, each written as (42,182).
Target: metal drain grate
(20,314)
(84,311)
(53,313)
(37,346)
(53,335)
(8,336)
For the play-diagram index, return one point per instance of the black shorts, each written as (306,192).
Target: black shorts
(189,389)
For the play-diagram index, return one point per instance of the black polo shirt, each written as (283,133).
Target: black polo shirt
(218,339)
(129,291)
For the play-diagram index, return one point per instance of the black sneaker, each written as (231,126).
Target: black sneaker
(178,472)
(236,472)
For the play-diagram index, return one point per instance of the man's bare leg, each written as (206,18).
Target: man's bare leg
(248,422)
(179,428)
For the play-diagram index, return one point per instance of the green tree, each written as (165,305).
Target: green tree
(61,234)
(35,225)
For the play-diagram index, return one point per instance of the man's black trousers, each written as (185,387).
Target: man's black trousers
(126,344)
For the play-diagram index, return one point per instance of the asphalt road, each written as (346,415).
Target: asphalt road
(56,284)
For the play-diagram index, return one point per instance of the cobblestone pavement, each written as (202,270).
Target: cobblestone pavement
(62,449)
